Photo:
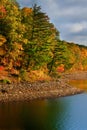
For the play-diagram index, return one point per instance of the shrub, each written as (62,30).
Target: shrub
(6,81)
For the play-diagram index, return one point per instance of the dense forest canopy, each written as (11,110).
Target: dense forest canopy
(29,42)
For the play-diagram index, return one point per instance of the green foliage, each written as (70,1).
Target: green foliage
(59,56)
(5,81)
(84,61)
(13,29)
(23,74)
(29,41)
(41,35)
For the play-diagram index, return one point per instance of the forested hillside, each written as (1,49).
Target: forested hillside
(30,45)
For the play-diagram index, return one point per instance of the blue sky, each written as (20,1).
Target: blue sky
(68,16)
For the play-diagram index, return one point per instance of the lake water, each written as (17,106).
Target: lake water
(66,113)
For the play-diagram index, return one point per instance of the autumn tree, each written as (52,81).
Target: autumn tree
(41,37)
(59,56)
(12,28)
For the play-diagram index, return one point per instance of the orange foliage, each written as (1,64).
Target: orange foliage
(2,40)
(18,46)
(2,11)
(17,64)
(14,72)
(38,75)
(60,68)
(84,52)
(3,73)
(1,68)
(27,11)
(4,61)
(2,52)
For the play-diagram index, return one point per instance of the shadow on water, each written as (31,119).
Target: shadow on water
(35,115)
(66,113)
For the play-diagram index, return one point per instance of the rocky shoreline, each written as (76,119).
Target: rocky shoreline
(26,91)
(76,75)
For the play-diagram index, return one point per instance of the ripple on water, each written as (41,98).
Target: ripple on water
(66,113)
(74,117)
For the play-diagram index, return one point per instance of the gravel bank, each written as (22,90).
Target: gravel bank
(76,75)
(38,90)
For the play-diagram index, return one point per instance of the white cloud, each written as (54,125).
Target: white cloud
(69,16)
(76,27)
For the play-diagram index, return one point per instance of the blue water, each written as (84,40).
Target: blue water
(65,113)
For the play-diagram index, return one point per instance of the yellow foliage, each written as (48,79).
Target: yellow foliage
(18,46)
(38,75)
(2,52)
(3,74)
(2,40)
(27,11)
(14,71)
(84,52)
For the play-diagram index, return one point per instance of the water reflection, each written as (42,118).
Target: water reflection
(79,83)
(66,113)
(36,115)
